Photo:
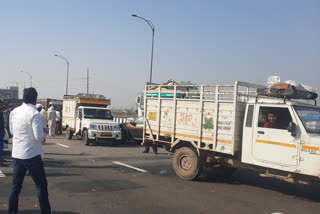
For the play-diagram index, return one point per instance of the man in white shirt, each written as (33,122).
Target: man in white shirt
(43,112)
(52,121)
(26,126)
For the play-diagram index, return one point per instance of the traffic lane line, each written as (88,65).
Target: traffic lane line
(2,175)
(59,144)
(131,167)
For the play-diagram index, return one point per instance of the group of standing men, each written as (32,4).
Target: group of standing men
(51,119)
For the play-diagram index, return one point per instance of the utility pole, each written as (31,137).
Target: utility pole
(87,80)
(27,73)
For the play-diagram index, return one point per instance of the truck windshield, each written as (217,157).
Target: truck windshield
(310,118)
(97,114)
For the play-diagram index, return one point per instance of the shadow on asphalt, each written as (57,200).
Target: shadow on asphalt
(53,174)
(98,186)
(50,162)
(38,212)
(81,154)
(125,145)
(244,177)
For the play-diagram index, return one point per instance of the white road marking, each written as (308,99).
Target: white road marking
(2,175)
(132,167)
(62,145)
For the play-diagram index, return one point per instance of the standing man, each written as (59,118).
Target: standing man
(154,148)
(43,112)
(1,134)
(52,121)
(26,125)
(58,122)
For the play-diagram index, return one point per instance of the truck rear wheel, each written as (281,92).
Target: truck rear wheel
(69,134)
(85,138)
(186,164)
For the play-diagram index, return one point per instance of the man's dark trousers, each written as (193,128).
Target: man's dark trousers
(36,170)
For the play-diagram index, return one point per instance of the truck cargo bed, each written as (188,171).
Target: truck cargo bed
(204,115)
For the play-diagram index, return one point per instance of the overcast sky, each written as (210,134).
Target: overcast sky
(206,42)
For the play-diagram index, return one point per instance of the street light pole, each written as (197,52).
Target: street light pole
(152,28)
(30,76)
(66,60)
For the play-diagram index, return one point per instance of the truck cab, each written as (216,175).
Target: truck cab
(94,123)
(292,143)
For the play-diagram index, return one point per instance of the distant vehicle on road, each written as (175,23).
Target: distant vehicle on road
(134,130)
(86,115)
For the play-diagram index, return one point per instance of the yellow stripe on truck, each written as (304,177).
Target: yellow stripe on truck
(189,136)
(276,143)
(310,147)
(68,117)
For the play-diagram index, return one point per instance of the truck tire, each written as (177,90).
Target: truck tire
(85,138)
(186,164)
(69,134)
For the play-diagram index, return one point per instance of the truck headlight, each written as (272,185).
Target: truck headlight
(93,127)
(116,128)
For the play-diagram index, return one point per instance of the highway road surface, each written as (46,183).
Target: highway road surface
(104,179)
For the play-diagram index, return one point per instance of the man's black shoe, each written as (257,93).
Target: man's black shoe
(145,151)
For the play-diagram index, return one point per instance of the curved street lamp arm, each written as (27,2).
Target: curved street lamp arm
(148,21)
(152,28)
(65,59)
(26,73)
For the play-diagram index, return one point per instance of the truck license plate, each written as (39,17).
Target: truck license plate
(106,133)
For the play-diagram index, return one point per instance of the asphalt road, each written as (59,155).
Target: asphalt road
(93,180)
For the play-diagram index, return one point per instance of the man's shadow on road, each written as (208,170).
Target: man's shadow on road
(38,212)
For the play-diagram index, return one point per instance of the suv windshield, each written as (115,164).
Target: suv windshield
(97,114)
(310,118)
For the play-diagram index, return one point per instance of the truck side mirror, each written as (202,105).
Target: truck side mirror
(292,127)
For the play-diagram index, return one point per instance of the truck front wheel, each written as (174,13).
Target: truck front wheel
(85,138)
(186,164)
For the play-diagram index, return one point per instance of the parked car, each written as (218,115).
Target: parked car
(133,130)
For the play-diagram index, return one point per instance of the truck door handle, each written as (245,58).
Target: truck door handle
(260,132)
